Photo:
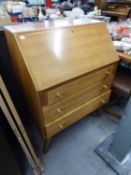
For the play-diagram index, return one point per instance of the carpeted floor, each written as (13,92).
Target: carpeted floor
(72,151)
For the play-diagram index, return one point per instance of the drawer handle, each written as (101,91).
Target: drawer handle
(108,73)
(59,95)
(59,110)
(105,86)
(61,126)
(103,101)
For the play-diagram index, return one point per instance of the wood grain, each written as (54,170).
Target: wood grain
(76,114)
(67,89)
(124,56)
(65,53)
(63,67)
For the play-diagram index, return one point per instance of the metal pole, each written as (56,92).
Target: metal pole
(116,149)
(121,143)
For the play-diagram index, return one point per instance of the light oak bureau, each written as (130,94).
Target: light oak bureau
(65,69)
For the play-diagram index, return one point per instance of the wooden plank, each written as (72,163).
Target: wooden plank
(18,135)
(124,56)
(19,123)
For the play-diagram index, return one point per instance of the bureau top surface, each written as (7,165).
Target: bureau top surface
(47,24)
(57,54)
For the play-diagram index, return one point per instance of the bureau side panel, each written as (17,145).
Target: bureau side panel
(25,80)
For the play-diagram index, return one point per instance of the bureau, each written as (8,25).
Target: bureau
(65,69)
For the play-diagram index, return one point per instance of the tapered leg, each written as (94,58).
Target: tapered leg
(46,144)
(99,111)
(113,113)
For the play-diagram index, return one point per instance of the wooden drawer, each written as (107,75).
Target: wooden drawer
(107,83)
(53,112)
(63,91)
(76,114)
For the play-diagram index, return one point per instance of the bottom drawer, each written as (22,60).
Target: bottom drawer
(76,114)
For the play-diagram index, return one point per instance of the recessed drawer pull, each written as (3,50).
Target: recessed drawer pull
(59,95)
(59,110)
(61,126)
(105,86)
(103,101)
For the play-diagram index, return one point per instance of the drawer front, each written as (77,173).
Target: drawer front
(76,114)
(55,111)
(107,83)
(63,91)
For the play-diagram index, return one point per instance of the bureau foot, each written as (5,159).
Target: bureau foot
(113,113)
(46,144)
(99,111)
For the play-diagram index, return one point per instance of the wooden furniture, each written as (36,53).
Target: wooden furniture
(116,8)
(122,83)
(122,80)
(124,57)
(65,69)
(16,125)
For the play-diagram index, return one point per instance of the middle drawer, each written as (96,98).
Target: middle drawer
(55,111)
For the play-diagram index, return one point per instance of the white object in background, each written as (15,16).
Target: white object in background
(67,13)
(15,7)
(77,12)
(40,15)
(90,14)
(99,12)
(127,40)
(96,10)
(129,53)
(119,45)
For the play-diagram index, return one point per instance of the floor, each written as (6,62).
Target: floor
(72,151)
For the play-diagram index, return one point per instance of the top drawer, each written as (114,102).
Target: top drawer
(69,88)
